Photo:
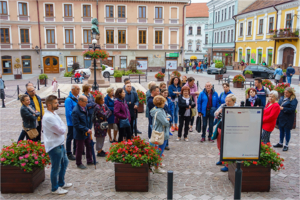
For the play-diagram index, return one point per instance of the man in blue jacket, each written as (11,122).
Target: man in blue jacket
(132,100)
(70,103)
(290,71)
(208,102)
(82,133)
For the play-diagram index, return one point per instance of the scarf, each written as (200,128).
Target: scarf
(252,99)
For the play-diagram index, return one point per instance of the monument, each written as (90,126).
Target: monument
(96,67)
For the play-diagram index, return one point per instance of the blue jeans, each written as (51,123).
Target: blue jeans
(81,78)
(175,114)
(210,119)
(22,136)
(289,79)
(284,132)
(59,162)
(161,147)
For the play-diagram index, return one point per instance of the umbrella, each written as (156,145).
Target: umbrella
(92,143)
(193,58)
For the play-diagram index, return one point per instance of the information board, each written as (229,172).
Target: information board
(142,64)
(241,133)
(171,64)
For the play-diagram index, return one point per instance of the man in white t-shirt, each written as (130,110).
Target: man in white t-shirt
(54,130)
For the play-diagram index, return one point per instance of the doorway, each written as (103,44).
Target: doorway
(288,57)
(51,64)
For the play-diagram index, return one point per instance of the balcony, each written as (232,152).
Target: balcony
(284,34)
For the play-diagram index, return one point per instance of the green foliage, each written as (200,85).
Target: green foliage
(118,74)
(131,72)
(219,65)
(284,70)
(238,78)
(248,72)
(68,74)
(43,76)
(103,67)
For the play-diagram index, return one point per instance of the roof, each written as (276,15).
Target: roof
(260,4)
(197,10)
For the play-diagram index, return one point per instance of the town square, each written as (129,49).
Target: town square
(136,99)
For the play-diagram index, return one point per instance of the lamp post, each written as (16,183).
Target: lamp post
(94,41)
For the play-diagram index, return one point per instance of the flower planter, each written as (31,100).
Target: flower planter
(218,76)
(133,179)
(42,81)
(118,79)
(238,85)
(248,75)
(14,180)
(140,108)
(160,79)
(255,178)
(18,76)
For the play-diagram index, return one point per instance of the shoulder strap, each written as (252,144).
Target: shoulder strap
(154,119)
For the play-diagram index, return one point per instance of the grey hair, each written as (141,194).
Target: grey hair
(73,87)
(150,83)
(208,83)
(275,93)
(82,98)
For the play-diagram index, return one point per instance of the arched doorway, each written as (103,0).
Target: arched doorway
(51,64)
(288,57)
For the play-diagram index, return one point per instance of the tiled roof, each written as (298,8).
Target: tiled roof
(197,10)
(259,4)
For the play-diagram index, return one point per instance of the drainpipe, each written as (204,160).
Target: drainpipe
(234,17)
(97,9)
(38,16)
(183,32)
(275,28)
(213,36)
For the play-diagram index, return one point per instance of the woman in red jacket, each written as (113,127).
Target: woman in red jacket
(271,113)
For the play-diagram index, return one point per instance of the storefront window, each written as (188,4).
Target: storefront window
(270,55)
(240,55)
(259,56)
(6,65)
(26,64)
(123,61)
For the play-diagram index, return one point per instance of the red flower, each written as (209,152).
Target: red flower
(254,162)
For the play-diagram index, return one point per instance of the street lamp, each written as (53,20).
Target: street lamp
(94,42)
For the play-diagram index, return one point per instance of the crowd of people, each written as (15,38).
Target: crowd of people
(170,107)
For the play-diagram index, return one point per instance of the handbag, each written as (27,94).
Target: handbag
(193,110)
(32,133)
(124,123)
(198,124)
(215,133)
(104,125)
(157,137)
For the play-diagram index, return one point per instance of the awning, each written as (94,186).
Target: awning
(193,58)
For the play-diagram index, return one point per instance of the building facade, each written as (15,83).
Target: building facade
(196,18)
(269,32)
(220,29)
(51,34)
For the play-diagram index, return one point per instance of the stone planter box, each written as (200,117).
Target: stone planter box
(238,85)
(14,180)
(160,79)
(43,81)
(18,76)
(118,79)
(254,179)
(140,108)
(131,179)
(218,76)
(248,75)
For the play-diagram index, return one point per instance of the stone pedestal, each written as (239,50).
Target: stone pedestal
(99,78)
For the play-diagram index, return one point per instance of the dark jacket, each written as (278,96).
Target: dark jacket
(132,88)
(287,115)
(121,110)
(290,71)
(257,102)
(203,99)
(101,114)
(132,100)
(80,122)
(182,105)
(172,88)
(169,109)
(91,104)
(150,105)
(111,105)
(40,104)
(29,121)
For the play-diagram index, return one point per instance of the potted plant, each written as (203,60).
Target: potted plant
(22,166)
(95,93)
(17,66)
(257,174)
(248,74)
(296,33)
(281,30)
(268,84)
(176,73)
(43,78)
(133,161)
(118,76)
(281,87)
(95,54)
(219,65)
(271,31)
(238,81)
(160,76)
(142,100)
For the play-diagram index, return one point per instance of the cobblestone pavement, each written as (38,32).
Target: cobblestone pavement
(195,174)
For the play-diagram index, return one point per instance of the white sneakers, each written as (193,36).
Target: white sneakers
(185,139)
(159,171)
(162,165)
(61,190)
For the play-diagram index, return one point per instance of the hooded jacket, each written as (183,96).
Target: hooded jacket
(203,99)
(161,123)
(70,103)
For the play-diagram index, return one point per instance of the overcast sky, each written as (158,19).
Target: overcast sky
(200,1)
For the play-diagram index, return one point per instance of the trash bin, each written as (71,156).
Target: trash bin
(163,70)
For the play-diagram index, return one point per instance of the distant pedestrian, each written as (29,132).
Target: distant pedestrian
(82,74)
(2,93)
(194,93)
(278,74)
(290,71)
(148,94)
(253,100)
(54,85)
(262,91)
(174,91)
(109,100)
(77,77)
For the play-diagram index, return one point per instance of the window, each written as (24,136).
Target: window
(109,11)
(142,11)
(198,47)
(249,28)
(218,38)
(24,34)
(232,12)
(109,36)
(69,36)
(261,26)
(158,13)
(221,37)
(26,64)
(218,16)
(271,23)
(206,38)
(23,9)
(3,8)
(6,65)
(248,55)
(122,36)
(241,29)
(50,36)
(121,11)
(215,37)
(222,16)
(86,11)
(5,35)
(240,55)
(289,21)
(68,10)
(173,13)
(87,37)
(158,37)
(229,12)
(270,55)
(190,47)
(231,35)
(49,10)
(142,37)
(259,56)
(228,36)
(224,40)
(225,14)
(190,30)
(199,30)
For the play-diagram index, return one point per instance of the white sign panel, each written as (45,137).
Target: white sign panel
(69,61)
(171,64)
(123,62)
(142,64)
(241,133)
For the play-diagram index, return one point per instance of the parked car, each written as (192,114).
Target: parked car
(260,71)
(213,70)
(109,71)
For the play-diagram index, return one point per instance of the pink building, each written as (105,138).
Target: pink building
(51,34)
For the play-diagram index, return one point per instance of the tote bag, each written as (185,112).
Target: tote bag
(157,137)
(124,123)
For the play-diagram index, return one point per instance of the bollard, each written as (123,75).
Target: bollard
(170,185)
(109,78)
(45,82)
(238,180)
(38,84)
(18,91)
(71,80)
(139,79)
(197,84)
(58,91)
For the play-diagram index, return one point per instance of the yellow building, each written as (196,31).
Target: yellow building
(268,31)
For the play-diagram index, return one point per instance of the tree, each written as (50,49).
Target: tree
(75,66)
(132,65)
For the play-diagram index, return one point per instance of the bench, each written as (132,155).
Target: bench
(224,79)
(73,78)
(138,77)
(248,82)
